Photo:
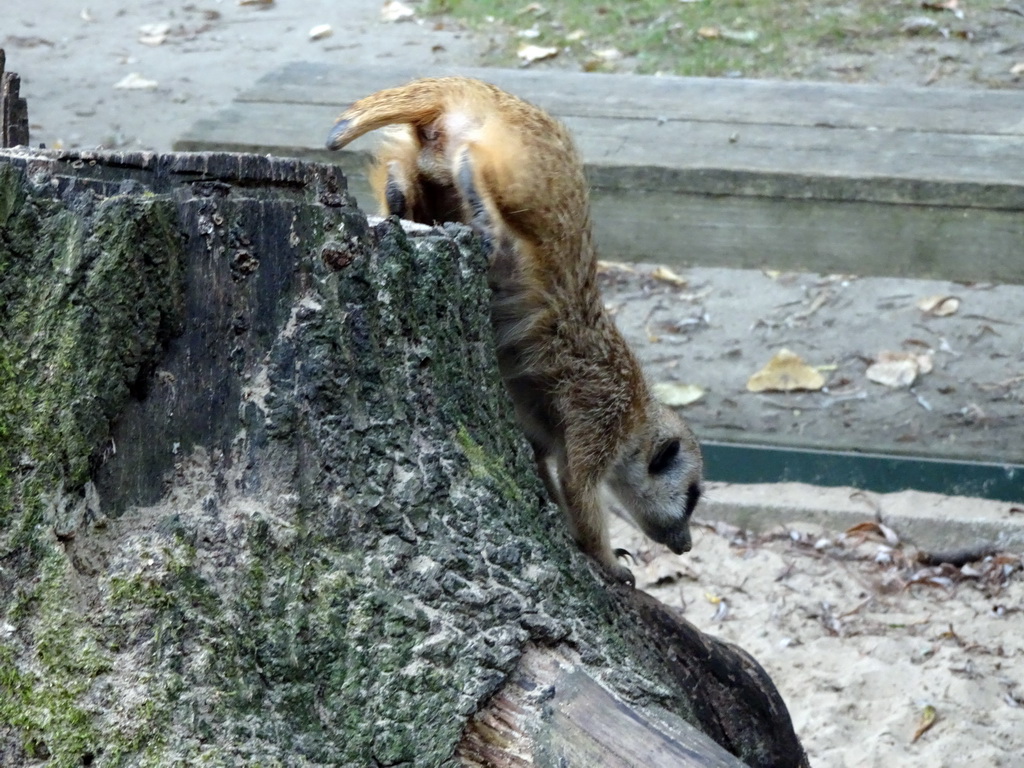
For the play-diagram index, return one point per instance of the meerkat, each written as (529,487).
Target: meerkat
(470,152)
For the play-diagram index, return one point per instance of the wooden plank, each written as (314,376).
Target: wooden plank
(811,236)
(577,94)
(882,163)
(803,163)
(868,180)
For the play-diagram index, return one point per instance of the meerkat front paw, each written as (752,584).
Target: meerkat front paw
(620,574)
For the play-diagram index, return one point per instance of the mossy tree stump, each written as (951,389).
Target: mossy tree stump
(262,500)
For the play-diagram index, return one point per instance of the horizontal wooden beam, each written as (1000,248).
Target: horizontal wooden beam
(825,177)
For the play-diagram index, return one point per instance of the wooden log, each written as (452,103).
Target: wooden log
(13,108)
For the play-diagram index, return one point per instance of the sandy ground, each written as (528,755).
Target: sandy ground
(858,638)
(862,642)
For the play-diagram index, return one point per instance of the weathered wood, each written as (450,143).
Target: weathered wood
(698,99)
(264,499)
(769,169)
(855,238)
(13,108)
(702,157)
(553,713)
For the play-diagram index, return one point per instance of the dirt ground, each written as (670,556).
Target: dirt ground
(717,329)
(866,646)
(858,640)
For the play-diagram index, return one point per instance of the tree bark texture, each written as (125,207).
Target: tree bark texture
(262,498)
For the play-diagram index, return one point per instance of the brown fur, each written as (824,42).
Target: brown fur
(473,153)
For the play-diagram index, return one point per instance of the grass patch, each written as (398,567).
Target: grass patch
(715,38)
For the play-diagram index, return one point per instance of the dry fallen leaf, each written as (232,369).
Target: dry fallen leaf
(893,373)
(940,306)
(786,372)
(154,34)
(928,718)
(320,31)
(531,53)
(393,10)
(607,54)
(899,369)
(677,395)
(709,33)
(953,6)
(133,81)
(666,275)
(870,526)
(745,36)
(918,25)
(575,36)
(607,267)
(535,8)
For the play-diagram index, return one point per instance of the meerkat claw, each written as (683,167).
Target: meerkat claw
(625,553)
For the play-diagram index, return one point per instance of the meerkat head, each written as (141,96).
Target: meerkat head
(658,477)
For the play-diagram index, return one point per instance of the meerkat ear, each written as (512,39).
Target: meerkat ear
(664,457)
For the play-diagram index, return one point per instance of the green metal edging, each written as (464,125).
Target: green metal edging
(734,463)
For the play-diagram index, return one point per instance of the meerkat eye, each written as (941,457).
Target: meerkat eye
(664,457)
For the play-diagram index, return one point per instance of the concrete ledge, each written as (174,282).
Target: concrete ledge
(926,520)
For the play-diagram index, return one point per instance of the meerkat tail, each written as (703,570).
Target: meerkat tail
(418,103)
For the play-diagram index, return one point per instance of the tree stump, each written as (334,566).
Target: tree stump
(262,500)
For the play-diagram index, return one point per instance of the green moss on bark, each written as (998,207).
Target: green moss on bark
(87,300)
(46,700)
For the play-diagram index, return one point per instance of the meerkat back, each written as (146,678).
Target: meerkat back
(471,152)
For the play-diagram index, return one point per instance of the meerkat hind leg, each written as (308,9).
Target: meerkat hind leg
(479,217)
(395,199)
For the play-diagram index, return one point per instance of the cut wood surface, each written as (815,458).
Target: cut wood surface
(746,173)
(552,708)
